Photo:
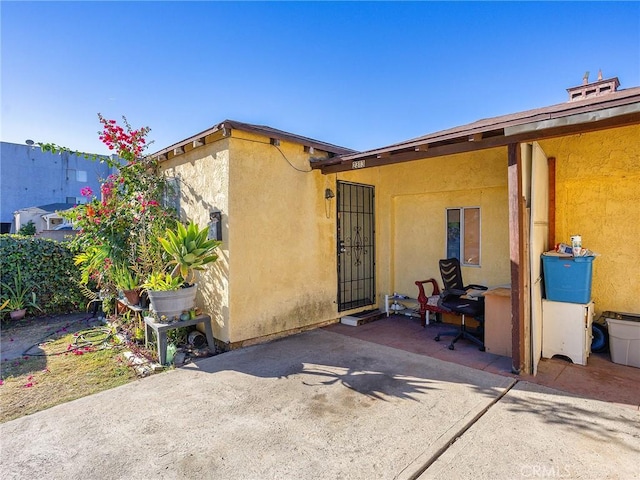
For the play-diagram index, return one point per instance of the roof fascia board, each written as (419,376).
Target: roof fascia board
(190,140)
(624,97)
(227,126)
(615,118)
(290,137)
(580,118)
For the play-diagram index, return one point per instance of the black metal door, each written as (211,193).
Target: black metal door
(356,252)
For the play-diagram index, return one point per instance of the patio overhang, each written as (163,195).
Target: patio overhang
(615,110)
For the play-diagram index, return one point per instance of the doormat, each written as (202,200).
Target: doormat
(361,317)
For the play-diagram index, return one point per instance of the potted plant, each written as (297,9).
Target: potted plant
(127,282)
(189,248)
(18,297)
(172,293)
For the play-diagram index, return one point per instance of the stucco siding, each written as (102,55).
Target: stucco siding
(282,262)
(277,267)
(598,197)
(411,200)
(204,186)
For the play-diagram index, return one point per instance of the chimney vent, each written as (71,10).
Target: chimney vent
(595,89)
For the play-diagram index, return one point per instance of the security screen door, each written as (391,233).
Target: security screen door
(356,252)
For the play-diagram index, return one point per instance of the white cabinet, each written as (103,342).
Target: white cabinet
(566,330)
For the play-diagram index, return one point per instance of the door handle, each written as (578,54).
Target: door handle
(341,247)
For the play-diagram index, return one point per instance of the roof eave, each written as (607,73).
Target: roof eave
(556,120)
(225,128)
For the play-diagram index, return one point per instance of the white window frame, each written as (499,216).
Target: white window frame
(459,255)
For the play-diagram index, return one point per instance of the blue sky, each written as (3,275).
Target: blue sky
(356,74)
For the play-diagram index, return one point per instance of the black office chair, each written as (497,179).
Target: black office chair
(453,299)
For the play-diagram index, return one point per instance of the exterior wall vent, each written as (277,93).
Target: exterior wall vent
(595,89)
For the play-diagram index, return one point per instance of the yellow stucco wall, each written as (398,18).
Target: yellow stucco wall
(204,186)
(598,197)
(277,267)
(277,270)
(282,260)
(411,200)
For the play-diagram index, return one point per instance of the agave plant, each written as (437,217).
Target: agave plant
(162,282)
(18,296)
(125,278)
(189,249)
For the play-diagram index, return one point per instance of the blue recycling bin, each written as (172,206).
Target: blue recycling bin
(567,279)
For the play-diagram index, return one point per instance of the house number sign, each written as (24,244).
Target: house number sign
(358,164)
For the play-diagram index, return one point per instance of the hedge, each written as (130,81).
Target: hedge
(48,265)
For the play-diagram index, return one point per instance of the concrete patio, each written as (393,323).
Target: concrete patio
(600,379)
(322,405)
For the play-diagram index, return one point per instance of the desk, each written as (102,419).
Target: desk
(161,330)
(497,321)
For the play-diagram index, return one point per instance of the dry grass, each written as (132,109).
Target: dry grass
(62,370)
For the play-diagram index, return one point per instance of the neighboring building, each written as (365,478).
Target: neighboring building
(312,232)
(31,177)
(44,217)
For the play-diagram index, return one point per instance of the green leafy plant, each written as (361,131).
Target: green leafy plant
(47,264)
(93,263)
(125,278)
(19,295)
(189,249)
(28,229)
(162,282)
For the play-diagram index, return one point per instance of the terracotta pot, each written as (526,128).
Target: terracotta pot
(18,314)
(121,308)
(132,296)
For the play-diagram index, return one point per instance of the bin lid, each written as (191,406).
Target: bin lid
(629,317)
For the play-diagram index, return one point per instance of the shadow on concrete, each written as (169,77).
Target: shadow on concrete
(321,358)
(592,418)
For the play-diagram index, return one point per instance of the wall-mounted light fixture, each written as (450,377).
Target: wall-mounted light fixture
(215,225)
(328,195)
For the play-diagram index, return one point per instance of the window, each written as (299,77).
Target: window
(81,175)
(171,198)
(463,235)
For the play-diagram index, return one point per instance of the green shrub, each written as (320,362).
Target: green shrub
(47,264)
(27,229)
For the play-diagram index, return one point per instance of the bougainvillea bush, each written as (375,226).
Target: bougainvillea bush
(119,225)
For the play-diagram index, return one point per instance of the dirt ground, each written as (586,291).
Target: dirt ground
(22,337)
